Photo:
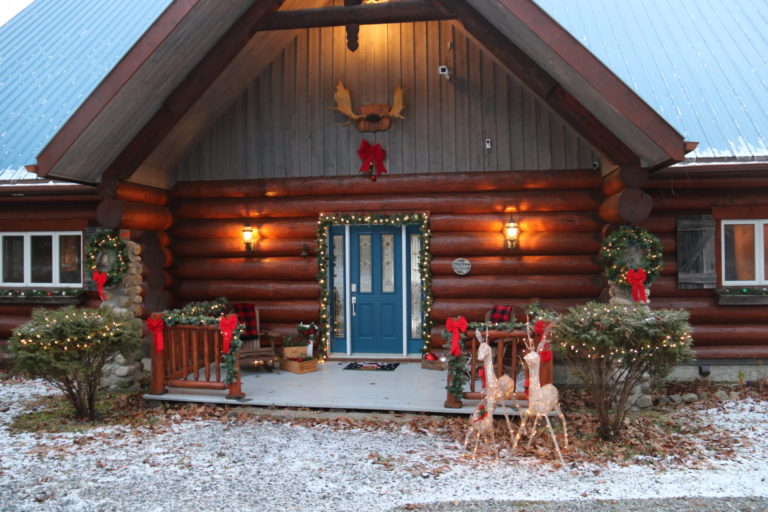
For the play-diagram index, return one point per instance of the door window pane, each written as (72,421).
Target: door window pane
(365,264)
(415,278)
(739,241)
(338,286)
(13,259)
(388,263)
(42,259)
(69,259)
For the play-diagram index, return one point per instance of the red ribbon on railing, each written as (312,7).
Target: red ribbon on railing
(372,154)
(227,324)
(481,374)
(156,325)
(636,278)
(453,327)
(100,278)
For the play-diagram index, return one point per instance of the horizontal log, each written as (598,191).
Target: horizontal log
(504,265)
(706,199)
(474,310)
(557,221)
(740,212)
(671,184)
(84,210)
(626,176)
(225,228)
(394,184)
(245,290)
(36,190)
(629,205)
(658,223)
(9,322)
(46,199)
(704,310)
(16,309)
(471,203)
(283,311)
(732,352)
(286,268)
(738,334)
(46,224)
(234,248)
(507,287)
(666,287)
(111,188)
(115,214)
(481,244)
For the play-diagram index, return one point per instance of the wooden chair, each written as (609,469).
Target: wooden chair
(258,347)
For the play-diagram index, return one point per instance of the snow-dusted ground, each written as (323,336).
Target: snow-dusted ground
(225,465)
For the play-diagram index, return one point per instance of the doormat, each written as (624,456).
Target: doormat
(376,367)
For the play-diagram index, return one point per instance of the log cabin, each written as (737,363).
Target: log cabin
(379,223)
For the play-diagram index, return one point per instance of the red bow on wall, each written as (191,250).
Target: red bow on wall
(227,324)
(636,278)
(453,327)
(372,154)
(100,278)
(156,325)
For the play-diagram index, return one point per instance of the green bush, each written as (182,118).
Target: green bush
(611,346)
(69,348)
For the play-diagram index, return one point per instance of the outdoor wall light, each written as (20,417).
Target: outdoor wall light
(511,232)
(248,237)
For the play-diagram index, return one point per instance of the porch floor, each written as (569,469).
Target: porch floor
(409,388)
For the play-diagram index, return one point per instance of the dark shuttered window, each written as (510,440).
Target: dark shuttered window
(696,252)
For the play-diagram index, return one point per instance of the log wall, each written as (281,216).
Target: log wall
(556,260)
(719,331)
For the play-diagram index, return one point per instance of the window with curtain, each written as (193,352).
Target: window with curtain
(744,252)
(41,259)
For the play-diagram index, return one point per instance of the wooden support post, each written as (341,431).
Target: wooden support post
(158,371)
(235,391)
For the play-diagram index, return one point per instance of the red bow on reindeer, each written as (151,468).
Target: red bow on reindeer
(156,325)
(100,278)
(454,327)
(227,324)
(372,154)
(636,278)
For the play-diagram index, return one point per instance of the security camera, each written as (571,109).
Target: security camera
(444,72)
(595,164)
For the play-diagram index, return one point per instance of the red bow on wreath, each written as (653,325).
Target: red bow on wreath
(372,156)
(636,278)
(100,278)
(227,324)
(156,325)
(453,327)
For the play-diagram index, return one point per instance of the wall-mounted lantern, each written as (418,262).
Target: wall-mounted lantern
(248,233)
(511,234)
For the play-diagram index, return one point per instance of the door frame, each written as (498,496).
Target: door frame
(324,257)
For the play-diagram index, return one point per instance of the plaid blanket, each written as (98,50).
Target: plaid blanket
(501,314)
(247,315)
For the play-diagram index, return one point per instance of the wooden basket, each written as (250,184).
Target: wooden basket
(307,366)
(293,352)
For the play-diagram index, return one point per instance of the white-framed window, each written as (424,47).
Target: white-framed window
(41,258)
(744,252)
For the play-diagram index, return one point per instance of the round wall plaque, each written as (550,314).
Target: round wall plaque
(461,266)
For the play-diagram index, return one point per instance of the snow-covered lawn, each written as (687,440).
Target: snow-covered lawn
(227,464)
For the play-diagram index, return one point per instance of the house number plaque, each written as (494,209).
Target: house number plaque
(461,266)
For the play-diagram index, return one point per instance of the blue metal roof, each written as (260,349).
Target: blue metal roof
(52,56)
(701,64)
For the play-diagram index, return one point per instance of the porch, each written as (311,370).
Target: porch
(409,388)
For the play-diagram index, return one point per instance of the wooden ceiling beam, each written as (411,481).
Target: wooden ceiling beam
(365,14)
(540,82)
(188,91)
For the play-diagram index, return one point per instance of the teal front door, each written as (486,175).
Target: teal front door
(375,289)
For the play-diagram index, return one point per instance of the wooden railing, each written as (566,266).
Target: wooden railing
(509,345)
(192,359)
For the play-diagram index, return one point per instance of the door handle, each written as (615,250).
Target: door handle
(354,303)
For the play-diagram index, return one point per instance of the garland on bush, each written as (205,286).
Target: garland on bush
(108,241)
(209,313)
(323,276)
(613,255)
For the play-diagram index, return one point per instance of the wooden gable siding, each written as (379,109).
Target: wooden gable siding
(556,210)
(719,331)
(283,125)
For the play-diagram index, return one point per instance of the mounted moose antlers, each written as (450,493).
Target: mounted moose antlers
(374,117)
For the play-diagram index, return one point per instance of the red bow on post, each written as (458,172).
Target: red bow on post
(227,324)
(636,278)
(156,325)
(372,155)
(453,327)
(539,328)
(100,278)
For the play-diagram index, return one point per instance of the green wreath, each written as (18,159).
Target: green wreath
(108,241)
(617,259)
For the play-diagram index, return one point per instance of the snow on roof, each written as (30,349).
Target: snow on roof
(701,64)
(52,56)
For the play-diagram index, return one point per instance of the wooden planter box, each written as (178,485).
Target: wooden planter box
(742,300)
(293,352)
(307,366)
